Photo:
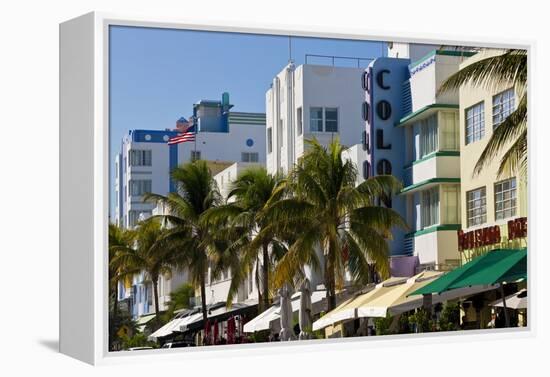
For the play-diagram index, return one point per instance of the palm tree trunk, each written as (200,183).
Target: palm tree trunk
(258,287)
(265,276)
(203,299)
(156,297)
(115,308)
(329,279)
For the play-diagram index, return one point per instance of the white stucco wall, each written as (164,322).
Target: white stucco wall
(314,86)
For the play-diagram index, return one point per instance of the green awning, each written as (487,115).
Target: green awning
(497,266)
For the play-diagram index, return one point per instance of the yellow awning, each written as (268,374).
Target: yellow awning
(391,293)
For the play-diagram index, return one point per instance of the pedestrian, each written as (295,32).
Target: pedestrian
(492,323)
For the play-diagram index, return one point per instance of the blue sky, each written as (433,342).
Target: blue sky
(157,74)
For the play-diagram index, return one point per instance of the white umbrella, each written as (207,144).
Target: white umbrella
(516,301)
(305,310)
(286,313)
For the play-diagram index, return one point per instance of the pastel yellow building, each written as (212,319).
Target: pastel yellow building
(488,200)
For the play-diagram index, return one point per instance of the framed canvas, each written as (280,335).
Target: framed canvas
(232,189)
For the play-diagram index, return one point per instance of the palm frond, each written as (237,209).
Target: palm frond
(515,158)
(504,134)
(509,68)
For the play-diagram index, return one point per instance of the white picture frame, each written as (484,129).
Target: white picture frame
(84,179)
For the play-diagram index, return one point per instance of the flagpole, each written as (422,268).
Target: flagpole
(195,146)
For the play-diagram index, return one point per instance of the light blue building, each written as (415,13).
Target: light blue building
(144,164)
(412,133)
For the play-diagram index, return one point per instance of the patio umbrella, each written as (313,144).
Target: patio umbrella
(305,310)
(516,301)
(286,313)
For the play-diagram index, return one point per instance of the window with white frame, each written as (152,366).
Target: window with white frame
(448,126)
(249,157)
(331,119)
(450,203)
(430,207)
(299,123)
(475,123)
(476,206)
(323,119)
(428,135)
(139,187)
(140,157)
(316,119)
(503,105)
(269,140)
(505,199)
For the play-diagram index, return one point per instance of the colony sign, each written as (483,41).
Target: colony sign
(491,235)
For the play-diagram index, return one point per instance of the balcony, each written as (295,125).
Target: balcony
(436,167)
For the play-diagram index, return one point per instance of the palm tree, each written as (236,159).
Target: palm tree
(248,197)
(509,68)
(118,238)
(324,208)
(149,253)
(191,239)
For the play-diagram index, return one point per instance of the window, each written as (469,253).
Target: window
(365,111)
(139,187)
(323,119)
(195,155)
(269,140)
(280,133)
(316,119)
(476,206)
(503,105)
(430,207)
(451,204)
(428,135)
(383,167)
(475,123)
(366,170)
(249,156)
(140,157)
(331,119)
(448,126)
(365,81)
(505,199)
(135,216)
(299,123)
(365,141)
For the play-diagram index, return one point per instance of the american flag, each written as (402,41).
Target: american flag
(182,138)
(183,125)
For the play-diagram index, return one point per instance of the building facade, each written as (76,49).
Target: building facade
(493,208)
(312,101)
(146,160)
(412,133)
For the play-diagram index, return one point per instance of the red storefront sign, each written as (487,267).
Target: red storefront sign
(517,228)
